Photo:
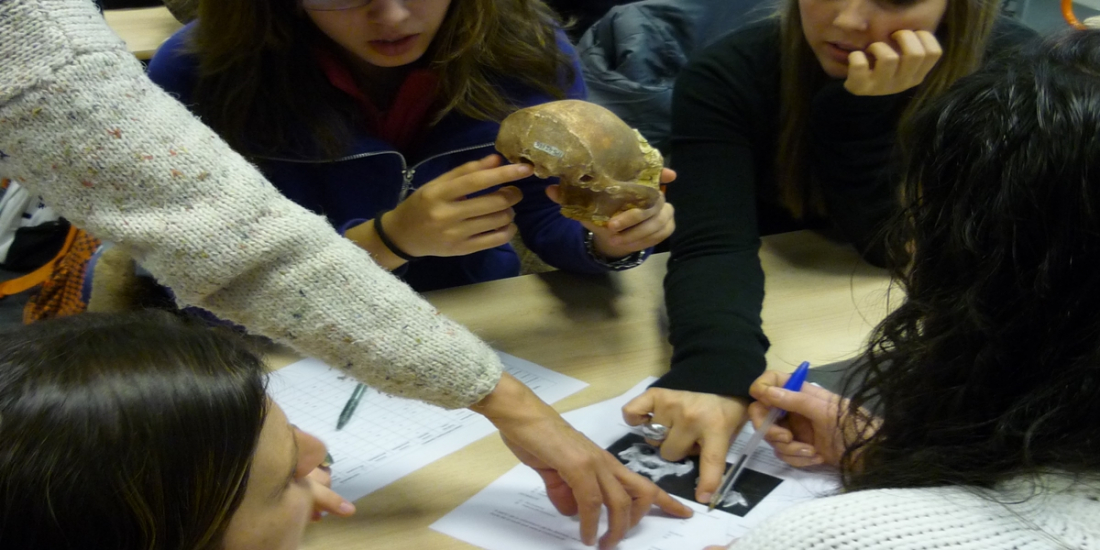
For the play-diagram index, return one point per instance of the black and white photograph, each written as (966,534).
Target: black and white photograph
(680,478)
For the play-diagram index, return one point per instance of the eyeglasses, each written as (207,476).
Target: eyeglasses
(337,5)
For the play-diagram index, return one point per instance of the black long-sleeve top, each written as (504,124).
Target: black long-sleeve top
(725,125)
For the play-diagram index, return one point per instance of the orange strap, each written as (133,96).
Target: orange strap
(38,276)
(1067,12)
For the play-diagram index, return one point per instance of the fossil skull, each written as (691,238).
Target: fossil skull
(605,166)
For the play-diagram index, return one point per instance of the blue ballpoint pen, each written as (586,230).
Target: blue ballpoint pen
(794,383)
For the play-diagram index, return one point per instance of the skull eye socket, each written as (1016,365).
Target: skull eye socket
(526,160)
(587,178)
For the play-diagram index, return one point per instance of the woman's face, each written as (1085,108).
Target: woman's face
(384,33)
(278,501)
(836,28)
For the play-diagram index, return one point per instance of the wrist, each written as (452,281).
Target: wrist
(743,402)
(510,401)
(388,241)
(606,251)
(611,259)
(366,238)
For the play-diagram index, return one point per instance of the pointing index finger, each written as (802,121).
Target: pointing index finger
(712,464)
(481,175)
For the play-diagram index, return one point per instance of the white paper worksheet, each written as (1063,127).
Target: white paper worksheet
(389,437)
(514,512)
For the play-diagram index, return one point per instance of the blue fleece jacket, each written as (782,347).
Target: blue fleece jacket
(373,177)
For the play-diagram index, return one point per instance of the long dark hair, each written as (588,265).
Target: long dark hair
(963,33)
(261,88)
(990,369)
(127,432)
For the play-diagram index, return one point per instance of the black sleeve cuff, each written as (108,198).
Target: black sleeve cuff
(731,378)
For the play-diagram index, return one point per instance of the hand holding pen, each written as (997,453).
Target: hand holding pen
(809,435)
(793,384)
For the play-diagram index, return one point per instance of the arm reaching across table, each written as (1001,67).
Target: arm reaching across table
(81,125)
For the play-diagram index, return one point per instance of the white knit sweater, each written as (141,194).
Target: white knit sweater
(82,125)
(1062,514)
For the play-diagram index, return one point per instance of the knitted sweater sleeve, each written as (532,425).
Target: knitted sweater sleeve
(82,125)
(948,518)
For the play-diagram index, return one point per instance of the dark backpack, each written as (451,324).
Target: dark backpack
(632,55)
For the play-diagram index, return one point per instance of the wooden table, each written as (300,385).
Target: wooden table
(143,29)
(821,301)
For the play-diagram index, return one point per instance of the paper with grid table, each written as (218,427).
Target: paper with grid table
(389,437)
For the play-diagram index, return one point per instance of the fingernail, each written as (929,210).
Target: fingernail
(346,507)
(705,497)
(806,452)
(523,168)
(776,393)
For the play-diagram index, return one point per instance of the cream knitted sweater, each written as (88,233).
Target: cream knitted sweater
(1062,514)
(82,125)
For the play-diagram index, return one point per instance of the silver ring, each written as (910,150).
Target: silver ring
(654,431)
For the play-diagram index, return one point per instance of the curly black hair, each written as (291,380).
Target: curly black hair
(990,369)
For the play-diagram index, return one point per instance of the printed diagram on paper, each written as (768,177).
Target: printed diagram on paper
(389,437)
(514,512)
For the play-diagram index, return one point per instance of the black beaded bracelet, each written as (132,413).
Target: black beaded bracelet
(388,243)
(627,262)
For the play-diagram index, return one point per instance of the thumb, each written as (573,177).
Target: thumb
(554,192)
(712,464)
(668,175)
(768,379)
(636,412)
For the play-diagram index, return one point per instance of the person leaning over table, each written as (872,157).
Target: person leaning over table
(986,435)
(787,123)
(81,125)
(200,457)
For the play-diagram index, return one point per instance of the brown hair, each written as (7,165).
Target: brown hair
(260,86)
(963,32)
(125,431)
